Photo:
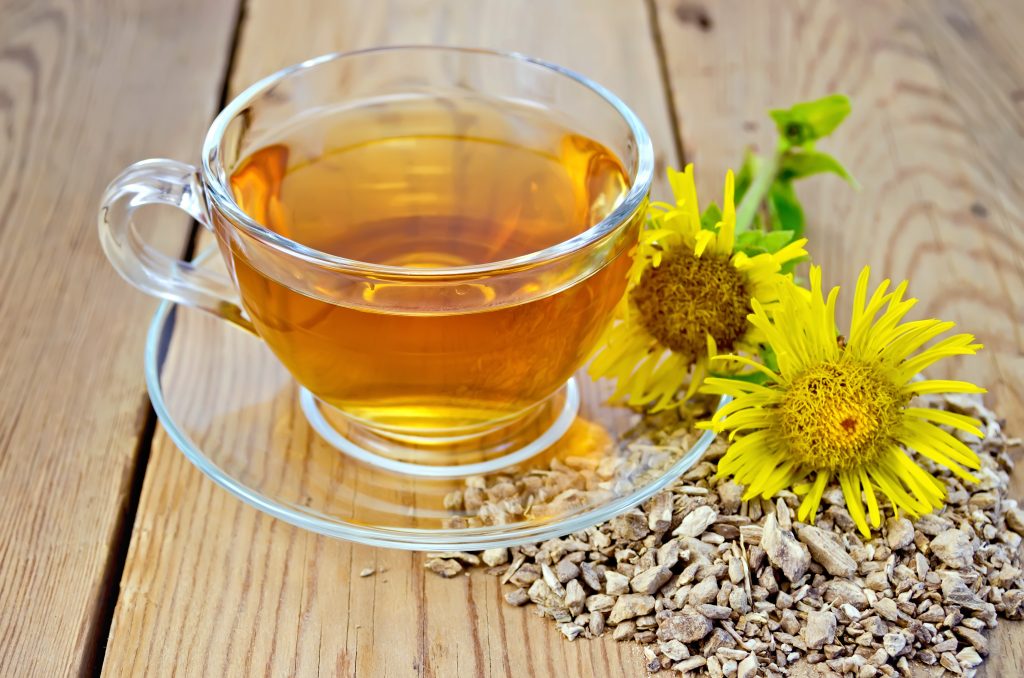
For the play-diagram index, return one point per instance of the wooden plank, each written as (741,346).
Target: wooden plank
(211,587)
(85,88)
(978,54)
(927,209)
(934,139)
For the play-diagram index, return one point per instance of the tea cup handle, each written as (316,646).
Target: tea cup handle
(163,182)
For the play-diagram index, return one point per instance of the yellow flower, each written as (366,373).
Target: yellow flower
(841,408)
(689,297)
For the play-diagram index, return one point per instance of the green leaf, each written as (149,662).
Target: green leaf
(746,174)
(809,121)
(786,209)
(756,242)
(712,215)
(750,242)
(776,240)
(796,165)
(755,377)
(768,357)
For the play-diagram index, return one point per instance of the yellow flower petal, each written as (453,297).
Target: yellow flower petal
(850,483)
(869,494)
(809,506)
(727,227)
(954,419)
(671,229)
(834,409)
(942,386)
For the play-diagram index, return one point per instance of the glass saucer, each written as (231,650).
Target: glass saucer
(238,415)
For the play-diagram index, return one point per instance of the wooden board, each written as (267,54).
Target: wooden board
(212,587)
(935,140)
(85,88)
(938,205)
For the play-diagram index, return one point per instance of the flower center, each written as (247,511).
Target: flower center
(685,299)
(840,415)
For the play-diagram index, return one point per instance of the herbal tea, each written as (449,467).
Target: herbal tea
(420,186)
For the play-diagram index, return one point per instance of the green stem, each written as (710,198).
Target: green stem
(764,177)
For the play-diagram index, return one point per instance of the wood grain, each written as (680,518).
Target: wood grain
(935,206)
(935,140)
(85,88)
(212,587)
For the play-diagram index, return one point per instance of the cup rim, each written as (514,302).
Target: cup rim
(214,176)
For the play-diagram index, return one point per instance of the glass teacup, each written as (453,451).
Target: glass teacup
(431,240)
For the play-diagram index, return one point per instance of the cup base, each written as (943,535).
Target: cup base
(458,456)
(234,411)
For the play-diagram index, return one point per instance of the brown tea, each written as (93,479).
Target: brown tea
(424,187)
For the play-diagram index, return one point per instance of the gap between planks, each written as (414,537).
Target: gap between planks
(110,590)
(657,37)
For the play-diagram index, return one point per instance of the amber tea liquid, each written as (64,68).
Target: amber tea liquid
(420,186)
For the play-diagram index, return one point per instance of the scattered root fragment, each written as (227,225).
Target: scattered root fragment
(712,585)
